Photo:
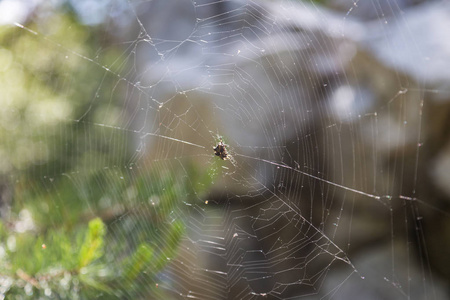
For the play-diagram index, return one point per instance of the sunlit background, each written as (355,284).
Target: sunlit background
(335,115)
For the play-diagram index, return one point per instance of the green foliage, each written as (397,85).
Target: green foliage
(140,261)
(48,85)
(84,223)
(132,242)
(93,243)
(47,264)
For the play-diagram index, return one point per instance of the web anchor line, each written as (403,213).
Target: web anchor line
(144,134)
(378,198)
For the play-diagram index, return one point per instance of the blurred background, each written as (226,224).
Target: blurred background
(335,114)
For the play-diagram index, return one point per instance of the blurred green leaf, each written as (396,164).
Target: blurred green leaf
(140,260)
(92,247)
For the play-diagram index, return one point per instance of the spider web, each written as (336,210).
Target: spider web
(322,196)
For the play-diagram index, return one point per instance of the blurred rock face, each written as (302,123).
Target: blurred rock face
(321,112)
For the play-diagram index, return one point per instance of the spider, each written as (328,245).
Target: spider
(220,150)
